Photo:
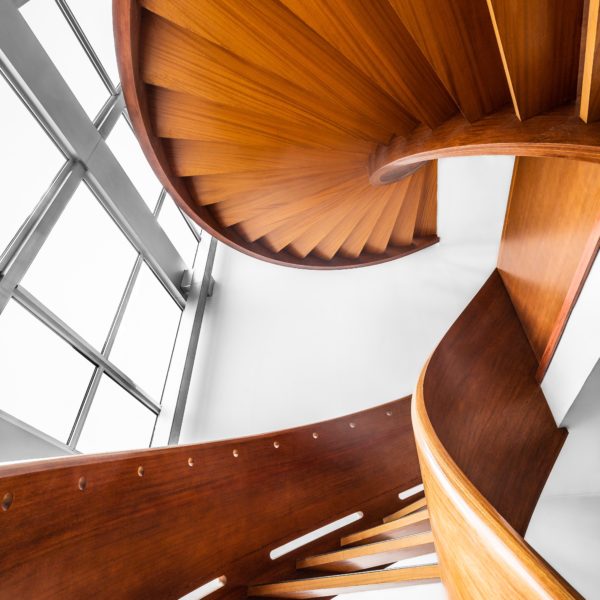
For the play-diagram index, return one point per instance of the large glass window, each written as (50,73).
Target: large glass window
(145,340)
(43,378)
(23,143)
(87,328)
(59,41)
(117,421)
(125,147)
(81,271)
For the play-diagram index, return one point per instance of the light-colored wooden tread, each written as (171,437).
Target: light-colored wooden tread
(368,556)
(331,585)
(410,524)
(413,507)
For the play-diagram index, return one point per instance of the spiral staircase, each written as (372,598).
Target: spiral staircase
(306,133)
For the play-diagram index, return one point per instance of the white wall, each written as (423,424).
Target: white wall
(565,526)
(282,347)
(19,441)
(578,349)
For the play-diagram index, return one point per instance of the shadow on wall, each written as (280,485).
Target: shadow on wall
(565,527)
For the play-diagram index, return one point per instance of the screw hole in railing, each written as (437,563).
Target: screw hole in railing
(7,501)
(82,483)
(140,471)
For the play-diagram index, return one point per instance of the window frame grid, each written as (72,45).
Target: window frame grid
(89,160)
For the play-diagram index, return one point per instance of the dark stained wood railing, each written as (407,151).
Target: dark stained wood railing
(159,523)
(486,442)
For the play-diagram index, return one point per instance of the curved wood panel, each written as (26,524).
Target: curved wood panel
(486,442)
(260,118)
(548,244)
(159,523)
(559,133)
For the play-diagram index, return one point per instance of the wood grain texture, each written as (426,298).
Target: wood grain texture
(257,113)
(370,581)
(483,477)
(589,109)
(417,505)
(588,257)
(417,522)
(178,526)
(559,133)
(552,218)
(368,556)
(458,39)
(539,45)
(372,37)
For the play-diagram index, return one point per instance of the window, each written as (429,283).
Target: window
(22,187)
(176,227)
(90,297)
(145,340)
(125,147)
(117,421)
(81,271)
(43,378)
(59,41)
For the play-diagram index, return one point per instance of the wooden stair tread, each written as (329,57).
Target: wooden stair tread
(413,507)
(331,585)
(367,556)
(417,522)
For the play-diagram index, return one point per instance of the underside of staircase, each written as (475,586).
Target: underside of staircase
(359,565)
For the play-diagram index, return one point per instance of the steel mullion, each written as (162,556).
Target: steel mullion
(57,325)
(188,367)
(86,45)
(32,235)
(36,79)
(110,113)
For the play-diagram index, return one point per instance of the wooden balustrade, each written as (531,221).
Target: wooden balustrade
(486,442)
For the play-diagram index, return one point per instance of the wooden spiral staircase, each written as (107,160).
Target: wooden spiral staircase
(306,133)
(275,122)
(403,534)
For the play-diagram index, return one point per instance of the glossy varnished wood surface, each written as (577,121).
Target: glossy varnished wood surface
(549,240)
(262,116)
(486,442)
(369,581)
(414,523)
(539,45)
(559,133)
(590,85)
(176,527)
(458,39)
(368,556)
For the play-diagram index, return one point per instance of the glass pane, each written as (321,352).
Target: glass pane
(65,51)
(125,147)
(43,378)
(145,339)
(95,18)
(24,144)
(82,269)
(176,227)
(116,421)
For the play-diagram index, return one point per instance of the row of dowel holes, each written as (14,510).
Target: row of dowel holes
(7,499)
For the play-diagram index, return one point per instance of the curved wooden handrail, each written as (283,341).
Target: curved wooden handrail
(159,523)
(485,463)
(559,133)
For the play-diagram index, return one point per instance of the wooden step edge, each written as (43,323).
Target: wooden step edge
(389,529)
(331,585)
(413,507)
(368,556)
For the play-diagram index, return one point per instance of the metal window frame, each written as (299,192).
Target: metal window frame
(30,72)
